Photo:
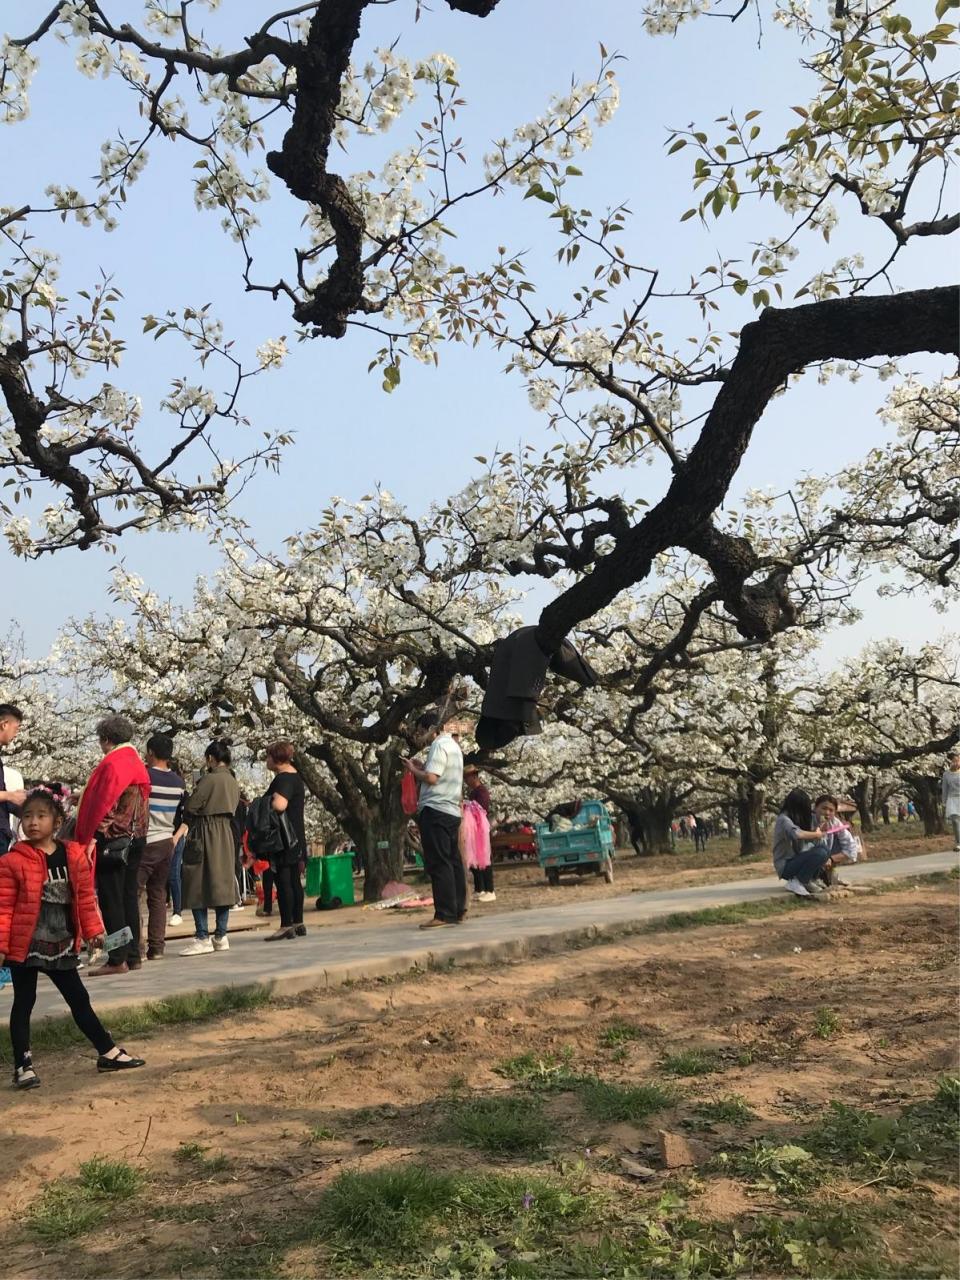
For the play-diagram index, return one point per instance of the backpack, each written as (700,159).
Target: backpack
(263,830)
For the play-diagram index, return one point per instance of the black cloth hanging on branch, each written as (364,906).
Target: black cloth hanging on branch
(518,673)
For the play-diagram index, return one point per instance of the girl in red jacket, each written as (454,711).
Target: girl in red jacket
(47,910)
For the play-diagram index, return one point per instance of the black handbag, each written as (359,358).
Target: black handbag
(115,852)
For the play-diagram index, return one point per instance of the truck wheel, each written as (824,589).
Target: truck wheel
(553,876)
(608,871)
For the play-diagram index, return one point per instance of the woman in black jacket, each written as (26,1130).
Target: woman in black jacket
(288,795)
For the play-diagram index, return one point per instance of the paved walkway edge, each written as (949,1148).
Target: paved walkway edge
(541,939)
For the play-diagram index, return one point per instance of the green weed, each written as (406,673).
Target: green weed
(502,1126)
(194,1154)
(786,1168)
(615,1103)
(319,1133)
(826,1023)
(541,1071)
(70,1207)
(619,1034)
(731,1109)
(692,1062)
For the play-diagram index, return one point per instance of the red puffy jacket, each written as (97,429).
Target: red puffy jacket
(23,872)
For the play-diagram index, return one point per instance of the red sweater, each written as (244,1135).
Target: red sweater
(120,772)
(23,872)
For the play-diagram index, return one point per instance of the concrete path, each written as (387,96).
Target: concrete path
(334,955)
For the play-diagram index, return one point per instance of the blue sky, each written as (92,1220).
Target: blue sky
(420,441)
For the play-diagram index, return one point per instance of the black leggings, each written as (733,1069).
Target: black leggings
(68,983)
(289,894)
(482,880)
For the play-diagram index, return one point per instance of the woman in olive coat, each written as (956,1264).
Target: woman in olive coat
(208,854)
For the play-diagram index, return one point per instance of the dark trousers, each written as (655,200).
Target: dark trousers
(117,893)
(68,983)
(806,865)
(267,883)
(443,863)
(152,876)
(289,894)
(482,879)
(700,840)
(175,882)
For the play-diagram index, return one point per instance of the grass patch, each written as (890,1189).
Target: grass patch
(731,1109)
(925,1133)
(692,1062)
(502,1126)
(70,1207)
(786,1168)
(540,1071)
(735,913)
(319,1133)
(192,1153)
(400,1212)
(619,1034)
(616,1103)
(826,1024)
(51,1034)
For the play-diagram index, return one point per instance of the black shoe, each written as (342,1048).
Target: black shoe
(119,1064)
(281,934)
(300,930)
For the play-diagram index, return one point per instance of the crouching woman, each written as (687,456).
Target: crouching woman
(800,855)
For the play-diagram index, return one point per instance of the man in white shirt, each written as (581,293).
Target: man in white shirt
(439,808)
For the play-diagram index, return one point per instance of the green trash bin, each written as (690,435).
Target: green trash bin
(314,883)
(337,887)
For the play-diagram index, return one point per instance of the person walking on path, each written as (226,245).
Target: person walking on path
(11,718)
(438,816)
(288,795)
(797,865)
(113,812)
(47,911)
(481,866)
(167,791)
(950,791)
(208,854)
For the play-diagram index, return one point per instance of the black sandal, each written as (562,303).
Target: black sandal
(119,1063)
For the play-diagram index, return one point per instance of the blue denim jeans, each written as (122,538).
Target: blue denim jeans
(222,916)
(176,895)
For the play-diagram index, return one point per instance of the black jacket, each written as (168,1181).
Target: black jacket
(518,673)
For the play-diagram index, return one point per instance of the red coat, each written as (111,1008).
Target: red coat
(119,776)
(23,872)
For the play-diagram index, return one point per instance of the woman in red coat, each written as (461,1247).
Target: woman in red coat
(47,911)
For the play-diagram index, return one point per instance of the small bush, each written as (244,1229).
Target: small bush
(111,1179)
(499,1125)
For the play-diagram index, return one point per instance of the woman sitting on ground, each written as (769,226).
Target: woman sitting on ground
(799,866)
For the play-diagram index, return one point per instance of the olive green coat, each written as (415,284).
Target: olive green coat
(209,853)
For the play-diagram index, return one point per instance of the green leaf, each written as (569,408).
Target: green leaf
(688,214)
(677,146)
(740,286)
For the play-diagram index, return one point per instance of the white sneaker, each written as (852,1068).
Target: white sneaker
(238,907)
(221,944)
(175,919)
(489,897)
(840,882)
(198,947)
(816,886)
(798,887)
(956,848)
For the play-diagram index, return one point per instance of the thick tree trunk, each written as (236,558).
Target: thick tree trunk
(750,814)
(864,793)
(655,821)
(379,839)
(924,790)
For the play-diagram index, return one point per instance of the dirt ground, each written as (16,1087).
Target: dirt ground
(284,1099)
(522,885)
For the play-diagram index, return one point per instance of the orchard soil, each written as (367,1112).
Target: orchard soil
(239,1127)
